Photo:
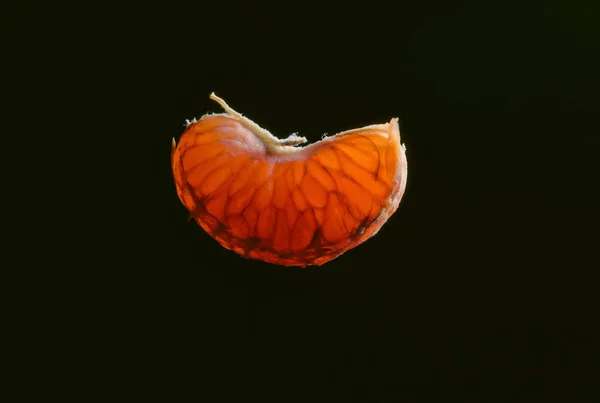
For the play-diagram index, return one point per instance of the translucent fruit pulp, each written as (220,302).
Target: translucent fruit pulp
(269,199)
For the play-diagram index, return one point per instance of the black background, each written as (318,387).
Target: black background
(479,288)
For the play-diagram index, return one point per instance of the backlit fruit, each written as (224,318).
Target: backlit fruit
(272,200)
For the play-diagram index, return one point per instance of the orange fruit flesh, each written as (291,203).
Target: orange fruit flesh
(268,199)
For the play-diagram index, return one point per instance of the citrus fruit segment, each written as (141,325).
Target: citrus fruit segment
(270,199)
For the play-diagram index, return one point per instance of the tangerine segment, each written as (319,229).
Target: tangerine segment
(268,199)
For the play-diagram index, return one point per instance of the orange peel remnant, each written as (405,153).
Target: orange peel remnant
(269,199)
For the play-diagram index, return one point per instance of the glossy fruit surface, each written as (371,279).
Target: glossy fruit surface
(271,200)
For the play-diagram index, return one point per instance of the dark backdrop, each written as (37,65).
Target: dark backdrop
(479,288)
